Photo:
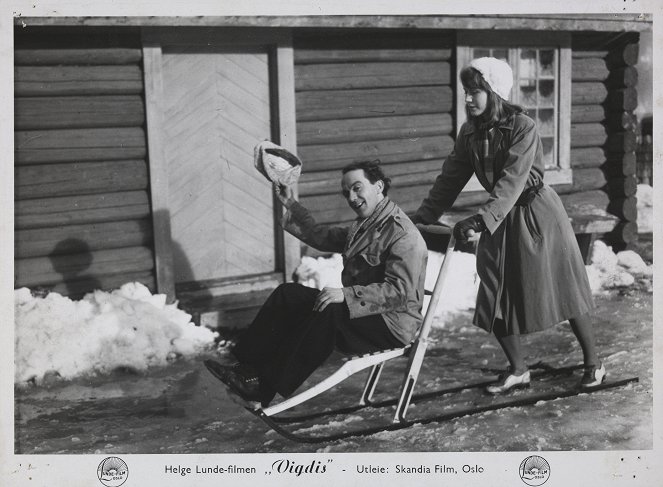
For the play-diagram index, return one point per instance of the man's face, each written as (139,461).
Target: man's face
(362,195)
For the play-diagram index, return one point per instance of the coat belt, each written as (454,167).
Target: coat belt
(528,195)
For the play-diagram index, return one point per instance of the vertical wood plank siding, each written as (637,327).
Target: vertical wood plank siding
(372,97)
(82,214)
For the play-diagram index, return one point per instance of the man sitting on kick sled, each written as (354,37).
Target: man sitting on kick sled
(378,307)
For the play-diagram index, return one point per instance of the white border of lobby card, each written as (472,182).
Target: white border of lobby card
(500,469)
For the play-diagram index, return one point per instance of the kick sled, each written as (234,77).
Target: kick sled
(414,352)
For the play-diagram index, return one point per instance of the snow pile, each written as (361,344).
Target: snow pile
(460,288)
(320,272)
(609,270)
(645,196)
(128,327)
(606,271)
(459,291)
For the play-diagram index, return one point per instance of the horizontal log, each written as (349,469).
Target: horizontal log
(333,104)
(78,288)
(335,156)
(625,77)
(622,142)
(42,271)
(622,100)
(80,209)
(42,181)
(371,75)
(588,135)
(78,239)
(589,69)
(584,115)
(588,93)
(579,53)
(329,182)
(621,121)
(390,170)
(375,47)
(584,180)
(82,56)
(600,39)
(625,208)
(622,187)
(587,113)
(593,220)
(613,121)
(584,202)
(415,195)
(626,55)
(77,80)
(588,179)
(361,129)
(620,164)
(62,145)
(69,112)
(624,233)
(317,56)
(587,157)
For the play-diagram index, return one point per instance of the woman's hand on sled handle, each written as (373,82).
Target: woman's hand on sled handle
(468,228)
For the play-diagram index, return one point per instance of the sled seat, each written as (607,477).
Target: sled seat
(353,365)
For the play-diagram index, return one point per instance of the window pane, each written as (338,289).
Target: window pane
(527,96)
(546,62)
(527,68)
(546,122)
(502,54)
(481,53)
(548,144)
(547,92)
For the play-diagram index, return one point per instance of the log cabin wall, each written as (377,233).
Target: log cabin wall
(82,213)
(603,130)
(363,97)
(369,96)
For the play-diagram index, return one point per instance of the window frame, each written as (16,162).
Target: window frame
(514,40)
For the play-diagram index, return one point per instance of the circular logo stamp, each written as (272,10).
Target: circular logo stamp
(112,472)
(534,470)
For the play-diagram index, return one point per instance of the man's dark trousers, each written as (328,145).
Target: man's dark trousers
(288,341)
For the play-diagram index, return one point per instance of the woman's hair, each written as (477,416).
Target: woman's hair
(498,110)
(372,171)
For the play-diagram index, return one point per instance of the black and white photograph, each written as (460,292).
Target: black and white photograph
(285,246)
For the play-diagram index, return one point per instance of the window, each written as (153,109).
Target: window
(541,66)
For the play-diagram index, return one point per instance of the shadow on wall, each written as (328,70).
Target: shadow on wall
(195,296)
(71,258)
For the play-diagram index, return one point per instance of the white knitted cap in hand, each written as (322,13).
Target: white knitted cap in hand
(496,73)
(277,164)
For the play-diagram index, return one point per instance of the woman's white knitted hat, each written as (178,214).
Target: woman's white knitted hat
(496,73)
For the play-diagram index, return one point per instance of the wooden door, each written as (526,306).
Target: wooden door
(216,108)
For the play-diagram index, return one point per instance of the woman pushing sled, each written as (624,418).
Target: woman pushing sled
(532,274)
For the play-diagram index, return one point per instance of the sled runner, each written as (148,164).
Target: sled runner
(527,399)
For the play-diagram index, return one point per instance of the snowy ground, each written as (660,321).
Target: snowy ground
(163,401)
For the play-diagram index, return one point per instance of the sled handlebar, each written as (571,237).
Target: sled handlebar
(435,229)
